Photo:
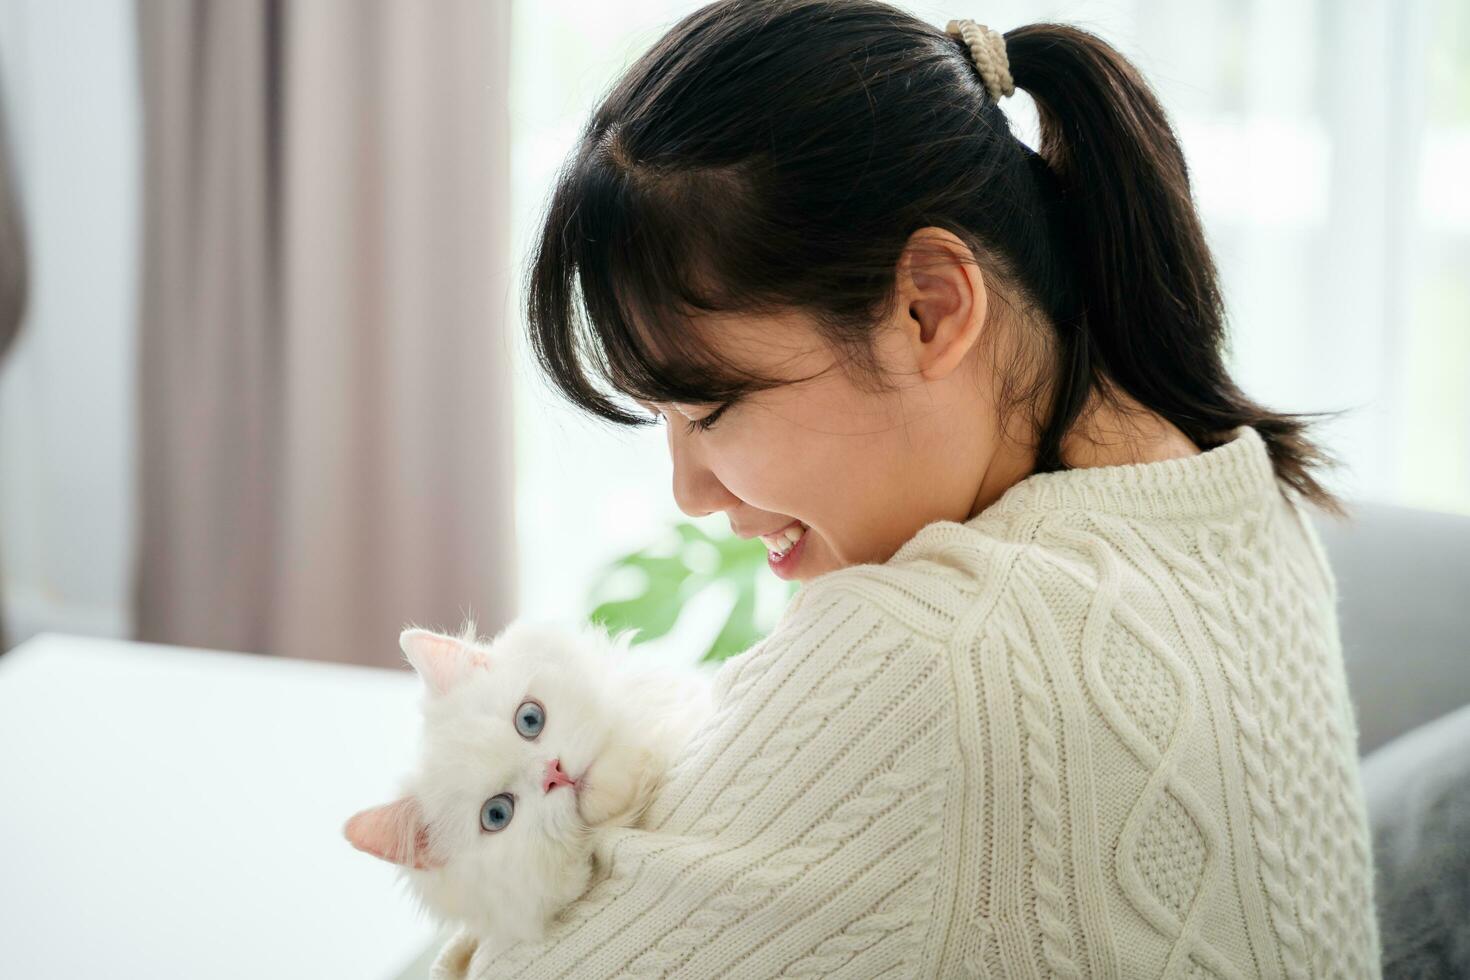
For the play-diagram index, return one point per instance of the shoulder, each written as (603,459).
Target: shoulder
(832,641)
(1034,577)
(950,580)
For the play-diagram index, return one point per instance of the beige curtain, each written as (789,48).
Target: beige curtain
(13,271)
(324,439)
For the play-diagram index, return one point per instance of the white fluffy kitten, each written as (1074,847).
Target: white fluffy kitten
(533,743)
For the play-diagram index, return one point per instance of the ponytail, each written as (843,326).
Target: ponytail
(1144,309)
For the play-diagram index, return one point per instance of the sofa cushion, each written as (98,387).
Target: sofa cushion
(1418,794)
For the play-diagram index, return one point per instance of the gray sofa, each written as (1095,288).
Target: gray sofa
(1404,588)
(1403,580)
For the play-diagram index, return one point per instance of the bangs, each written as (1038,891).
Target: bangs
(624,272)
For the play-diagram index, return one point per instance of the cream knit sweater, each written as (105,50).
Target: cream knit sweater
(1099,730)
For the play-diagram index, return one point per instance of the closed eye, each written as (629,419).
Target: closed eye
(707,423)
(699,425)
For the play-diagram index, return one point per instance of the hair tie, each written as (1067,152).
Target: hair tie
(988,51)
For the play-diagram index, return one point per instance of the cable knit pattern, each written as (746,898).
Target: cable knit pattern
(1099,730)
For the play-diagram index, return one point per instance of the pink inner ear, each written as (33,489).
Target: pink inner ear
(442,661)
(394,832)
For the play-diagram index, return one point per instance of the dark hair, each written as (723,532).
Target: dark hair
(766,157)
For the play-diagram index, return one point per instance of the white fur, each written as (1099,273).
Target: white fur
(616,725)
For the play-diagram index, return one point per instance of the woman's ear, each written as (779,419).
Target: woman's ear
(944,300)
(395,832)
(442,661)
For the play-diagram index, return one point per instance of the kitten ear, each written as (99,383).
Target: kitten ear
(395,832)
(442,661)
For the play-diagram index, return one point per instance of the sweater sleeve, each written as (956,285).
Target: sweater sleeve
(798,834)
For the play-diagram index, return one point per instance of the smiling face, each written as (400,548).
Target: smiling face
(863,470)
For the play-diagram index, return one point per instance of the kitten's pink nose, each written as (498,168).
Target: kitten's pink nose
(555,777)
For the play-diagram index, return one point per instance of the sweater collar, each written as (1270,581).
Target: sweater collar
(1217,481)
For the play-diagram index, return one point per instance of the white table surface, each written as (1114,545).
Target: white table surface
(171,812)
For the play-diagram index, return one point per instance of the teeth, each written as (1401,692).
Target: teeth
(780,544)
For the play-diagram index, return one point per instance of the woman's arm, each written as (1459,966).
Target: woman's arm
(799,834)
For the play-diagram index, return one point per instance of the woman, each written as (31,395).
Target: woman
(1062,692)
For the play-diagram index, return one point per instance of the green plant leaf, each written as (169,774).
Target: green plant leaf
(656,609)
(672,580)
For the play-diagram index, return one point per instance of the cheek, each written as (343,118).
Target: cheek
(763,471)
(790,467)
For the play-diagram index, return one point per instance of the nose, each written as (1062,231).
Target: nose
(697,491)
(555,777)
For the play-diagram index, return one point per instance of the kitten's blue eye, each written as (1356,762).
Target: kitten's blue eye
(497,811)
(530,717)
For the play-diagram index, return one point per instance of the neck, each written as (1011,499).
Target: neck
(1106,434)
